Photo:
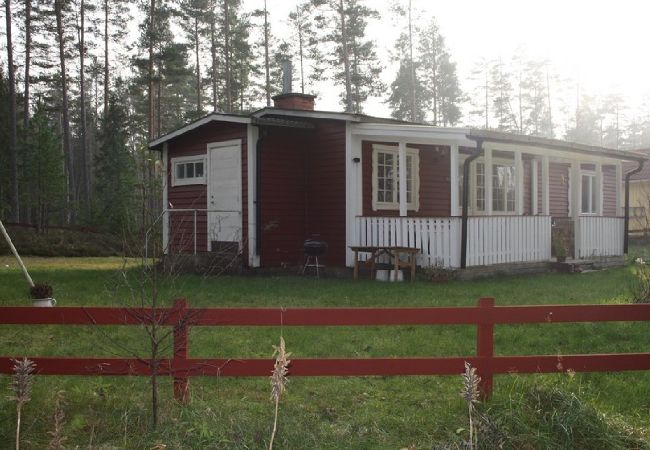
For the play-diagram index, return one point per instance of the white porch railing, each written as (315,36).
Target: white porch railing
(437,238)
(508,239)
(599,236)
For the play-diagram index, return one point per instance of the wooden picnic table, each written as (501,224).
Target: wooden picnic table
(393,252)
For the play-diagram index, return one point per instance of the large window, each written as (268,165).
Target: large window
(188,170)
(503,188)
(385,179)
(589,194)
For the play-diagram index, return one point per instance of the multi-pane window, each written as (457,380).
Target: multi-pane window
(503,188)
(386,177)
(188,171)
(589,198)
(480,186)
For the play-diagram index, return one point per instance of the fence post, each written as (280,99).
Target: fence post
(485,346)
(181,380)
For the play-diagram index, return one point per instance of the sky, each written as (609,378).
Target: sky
(603,44)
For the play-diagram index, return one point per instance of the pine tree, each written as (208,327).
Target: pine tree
(501,87)
(195,24)
(442,91)
(42,176)
(114,164)
(13,130)
(306,46)
(354,62)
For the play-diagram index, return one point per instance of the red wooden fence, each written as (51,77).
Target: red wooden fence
(485,316)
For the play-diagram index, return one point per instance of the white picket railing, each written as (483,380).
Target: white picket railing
(508,239)
(437,238)
(599,236)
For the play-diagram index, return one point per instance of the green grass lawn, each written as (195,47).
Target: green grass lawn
(328,413)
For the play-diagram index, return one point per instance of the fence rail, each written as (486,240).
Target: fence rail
(181,367)
(599,236)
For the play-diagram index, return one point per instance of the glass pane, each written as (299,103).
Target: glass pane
(180,171)
(189,170)
(594,195)
(198,169)
(586,193)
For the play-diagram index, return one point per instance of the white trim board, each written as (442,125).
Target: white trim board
(214,117)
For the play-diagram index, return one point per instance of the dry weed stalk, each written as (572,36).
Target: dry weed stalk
(56,443)
(278,381)
(470,394)
(21,388)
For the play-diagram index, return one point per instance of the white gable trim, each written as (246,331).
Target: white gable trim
(214,117)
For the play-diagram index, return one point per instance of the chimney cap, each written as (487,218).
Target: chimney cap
(293,95)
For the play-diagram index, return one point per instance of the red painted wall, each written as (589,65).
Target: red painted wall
(193,143)
(558,189)
(435,193)
(303,193)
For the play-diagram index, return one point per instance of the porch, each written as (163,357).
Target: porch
(491,240)
(469,199)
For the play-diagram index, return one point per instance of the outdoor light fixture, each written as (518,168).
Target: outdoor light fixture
(356,160)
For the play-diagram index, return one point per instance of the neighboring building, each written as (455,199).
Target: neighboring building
(639,196)
(266,181)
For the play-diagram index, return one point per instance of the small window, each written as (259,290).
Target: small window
(385,181)
(188,170)
(589,198)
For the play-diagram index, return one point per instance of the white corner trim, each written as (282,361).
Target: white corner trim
(214,117)
(165,199)
(251,139)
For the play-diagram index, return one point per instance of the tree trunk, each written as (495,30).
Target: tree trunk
(266,56)
(152,123)
(198,66)
(13,137)
(213,53)
(106,61)
(346,60)
(227,56)
(67,149)
(28,55)
(412,67)
(83,160)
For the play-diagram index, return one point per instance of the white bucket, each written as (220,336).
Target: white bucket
(44,302)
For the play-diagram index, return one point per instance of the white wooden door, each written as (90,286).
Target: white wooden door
(224,193)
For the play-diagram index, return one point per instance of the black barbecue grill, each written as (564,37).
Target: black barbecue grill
(313,248)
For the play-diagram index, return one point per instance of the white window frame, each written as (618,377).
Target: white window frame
(184,160)
(473,188)
(592,185)
(505,211)
(414,153)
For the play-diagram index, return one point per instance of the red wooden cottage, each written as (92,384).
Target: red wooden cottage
(266,181)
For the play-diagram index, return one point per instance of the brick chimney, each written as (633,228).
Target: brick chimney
(294,100)
(289,99)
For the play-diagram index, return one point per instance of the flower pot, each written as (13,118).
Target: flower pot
(43,302)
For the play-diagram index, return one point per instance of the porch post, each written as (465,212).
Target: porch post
(575,190)
(403,209)
(519,184)
(533,186)
(545,188)
(488,180)
(599,189)
(453,180)
(619,183)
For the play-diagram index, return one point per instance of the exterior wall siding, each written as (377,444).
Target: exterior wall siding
(181,230)
(435,192)
(609,191)
(558,189)
(303,193)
